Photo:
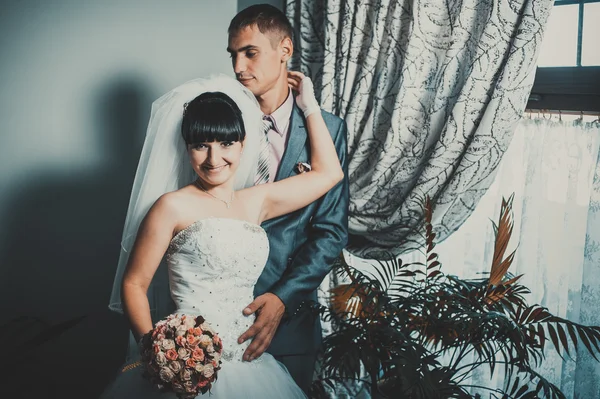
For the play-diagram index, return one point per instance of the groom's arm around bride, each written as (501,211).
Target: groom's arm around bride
(303,244)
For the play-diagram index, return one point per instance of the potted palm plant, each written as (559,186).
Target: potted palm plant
(416,332)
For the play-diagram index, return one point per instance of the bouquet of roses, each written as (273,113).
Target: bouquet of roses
(182,354)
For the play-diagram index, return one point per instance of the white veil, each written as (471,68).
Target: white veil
(164,167)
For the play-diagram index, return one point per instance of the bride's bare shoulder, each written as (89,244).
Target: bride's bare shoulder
(175,198)
(173,202)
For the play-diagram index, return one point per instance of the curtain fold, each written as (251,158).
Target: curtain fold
(431,91)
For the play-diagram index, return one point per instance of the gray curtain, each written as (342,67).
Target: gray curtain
(431,91)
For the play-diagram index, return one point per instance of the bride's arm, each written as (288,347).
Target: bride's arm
(152,241)
(296,192)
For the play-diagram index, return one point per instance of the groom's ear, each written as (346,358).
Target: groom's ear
(287,49)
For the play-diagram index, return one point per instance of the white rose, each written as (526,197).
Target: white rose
(210,349)
(205,340)
(176,366)
(207,327)
(189,387)
(200,368)
(174,322)
(185,375)
(183,353)
(208,371)
(189,322)
(168,344)
(166,374)
(181,330)
(160,359)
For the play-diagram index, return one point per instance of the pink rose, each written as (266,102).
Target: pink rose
(216,340)
(180,340)
(197,331)
(171,354)
(192,341)
(202,383)
(156,348)
(166,374)
(190,363)
(198,355)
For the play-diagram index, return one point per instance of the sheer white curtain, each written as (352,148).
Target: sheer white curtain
(554,170)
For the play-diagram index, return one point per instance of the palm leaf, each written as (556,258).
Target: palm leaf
(500,265)
(554,327)
(399,321)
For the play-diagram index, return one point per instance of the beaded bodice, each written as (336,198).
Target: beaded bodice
(213,266)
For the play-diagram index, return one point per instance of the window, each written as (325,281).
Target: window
(568,73)
(570,35)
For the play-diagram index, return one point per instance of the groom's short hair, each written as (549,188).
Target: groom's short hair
(267,18)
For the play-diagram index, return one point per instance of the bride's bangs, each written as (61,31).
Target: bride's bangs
(212,116)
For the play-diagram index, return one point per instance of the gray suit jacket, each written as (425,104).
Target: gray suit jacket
(303,244)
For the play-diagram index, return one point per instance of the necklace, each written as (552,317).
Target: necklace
(227,203)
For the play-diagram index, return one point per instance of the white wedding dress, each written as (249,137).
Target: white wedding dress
(213,265)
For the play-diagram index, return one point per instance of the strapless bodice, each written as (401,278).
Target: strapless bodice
(213,266)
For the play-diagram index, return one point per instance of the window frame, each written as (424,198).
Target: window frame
(574,88)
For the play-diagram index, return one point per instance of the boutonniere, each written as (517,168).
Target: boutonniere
(302,167)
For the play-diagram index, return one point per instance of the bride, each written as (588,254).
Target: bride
(208,225)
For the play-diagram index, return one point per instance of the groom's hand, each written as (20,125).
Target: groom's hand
(269,310)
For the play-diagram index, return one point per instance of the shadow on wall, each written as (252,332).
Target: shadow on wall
(62,251)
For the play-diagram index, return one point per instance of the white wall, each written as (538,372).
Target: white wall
(59,58)
(77,81)
(246,3)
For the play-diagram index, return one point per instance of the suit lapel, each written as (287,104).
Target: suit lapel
(295,144)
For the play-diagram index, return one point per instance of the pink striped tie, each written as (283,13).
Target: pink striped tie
(264,157)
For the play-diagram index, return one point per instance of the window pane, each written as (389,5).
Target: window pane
(590,51)
(559,47)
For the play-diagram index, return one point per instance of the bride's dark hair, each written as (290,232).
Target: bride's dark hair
(212,116)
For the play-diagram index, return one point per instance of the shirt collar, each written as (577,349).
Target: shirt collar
(281,116)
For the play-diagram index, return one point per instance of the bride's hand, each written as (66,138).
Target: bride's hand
(306,94)
(288,195)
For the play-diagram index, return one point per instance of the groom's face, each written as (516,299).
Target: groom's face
(258,59)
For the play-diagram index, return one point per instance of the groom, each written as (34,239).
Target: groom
(303,244)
